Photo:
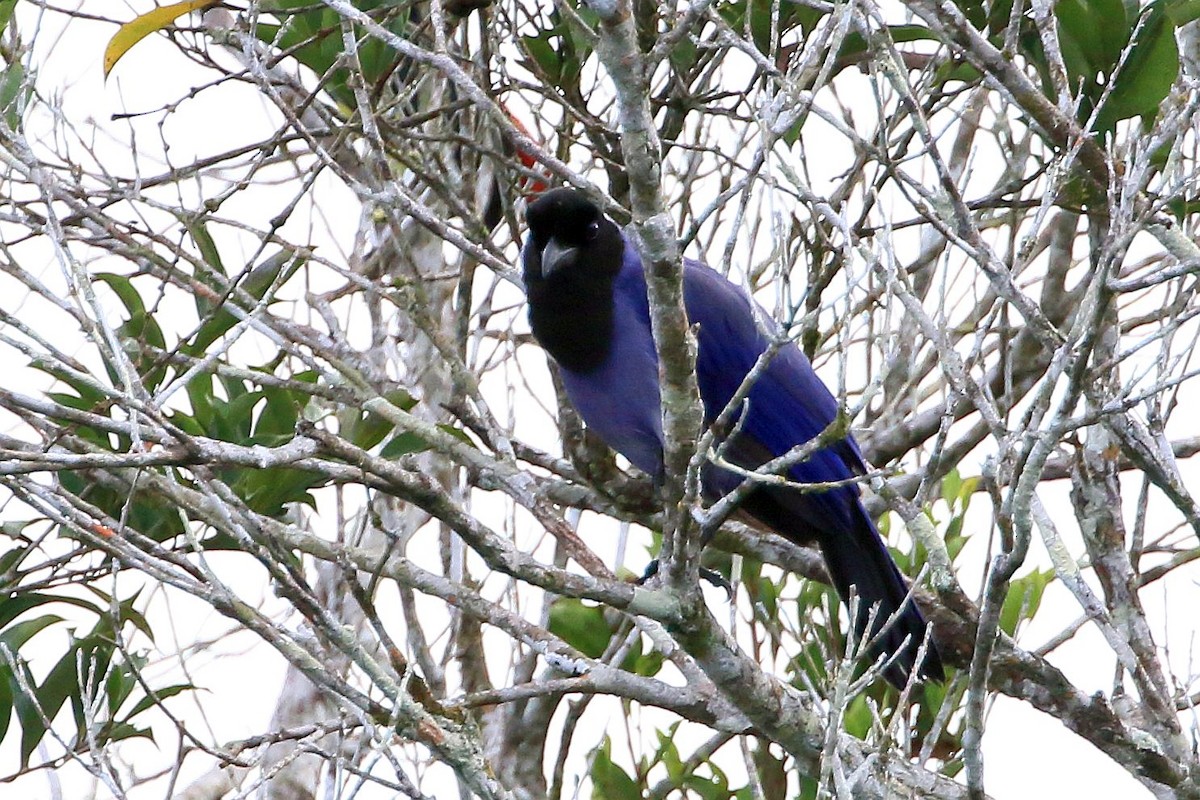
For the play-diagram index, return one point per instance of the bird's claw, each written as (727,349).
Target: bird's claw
(648,573)
(711,575)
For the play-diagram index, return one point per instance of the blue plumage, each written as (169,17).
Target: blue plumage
(589,309)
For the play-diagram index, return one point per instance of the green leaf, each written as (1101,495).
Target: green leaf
(543,54)
(10,560)
(1182,12)
(15,636)
(312,34)
(667,754)
(609,781)
(706,788)
(457,433)
(153,700)
(1148,73)
(211,256)
(123,288)
(141,512)
(854,45)
(119,731)
(205,243)
(951,485)
(1092,34)
(202,396)
(28,719)
(139,327)
(857,719)
(269,491)
(683,55)
(366,429)
(219,321)
(1023,599)
(234,421)
(60,684)
(403,444)
(791,17)
(772,775)
(975,11)
(126,612)
(18,603)
(647,664)
(7,7)
(276,422)
(14,92)
(118,686)
(581,626)
(8,684)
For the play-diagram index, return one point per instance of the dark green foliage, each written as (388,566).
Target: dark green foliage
(609,781)
(1023,599)
(1094,35)
(557,53)
(587,629)
(312,34)
(698,778)
(95,676)
(264,415)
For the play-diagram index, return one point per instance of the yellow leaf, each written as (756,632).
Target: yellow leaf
(137,29)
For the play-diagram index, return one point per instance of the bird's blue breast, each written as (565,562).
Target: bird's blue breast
(619,400)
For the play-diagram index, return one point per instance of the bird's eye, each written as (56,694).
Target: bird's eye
(593,229)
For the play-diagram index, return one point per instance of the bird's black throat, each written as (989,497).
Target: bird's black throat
(572,318)
(571,292)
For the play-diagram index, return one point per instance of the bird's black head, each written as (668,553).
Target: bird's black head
(568,233)
(570,259)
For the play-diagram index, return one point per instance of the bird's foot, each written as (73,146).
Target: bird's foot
(650,571)
(711,575)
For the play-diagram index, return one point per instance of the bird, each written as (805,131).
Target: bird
(588,308)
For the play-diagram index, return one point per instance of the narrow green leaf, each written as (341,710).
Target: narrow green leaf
(220,321)
(15,636)
(152,700)
(1182,12)
(950,486)
(7,685)
(276,422)
(205,243)
(1092,34)
(60,684)
(647,664)
(123,288)
(7,7)
(28,719)
(668,756)
(120,731)
(118,685)
(14,92)
(1023,599)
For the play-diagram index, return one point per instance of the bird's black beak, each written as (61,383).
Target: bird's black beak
(555,256)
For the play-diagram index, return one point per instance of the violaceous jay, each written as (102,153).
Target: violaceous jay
(589,310)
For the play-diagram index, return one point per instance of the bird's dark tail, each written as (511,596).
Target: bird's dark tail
(855,555)
(859,558)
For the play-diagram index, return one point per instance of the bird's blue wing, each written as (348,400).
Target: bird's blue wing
(787,405)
